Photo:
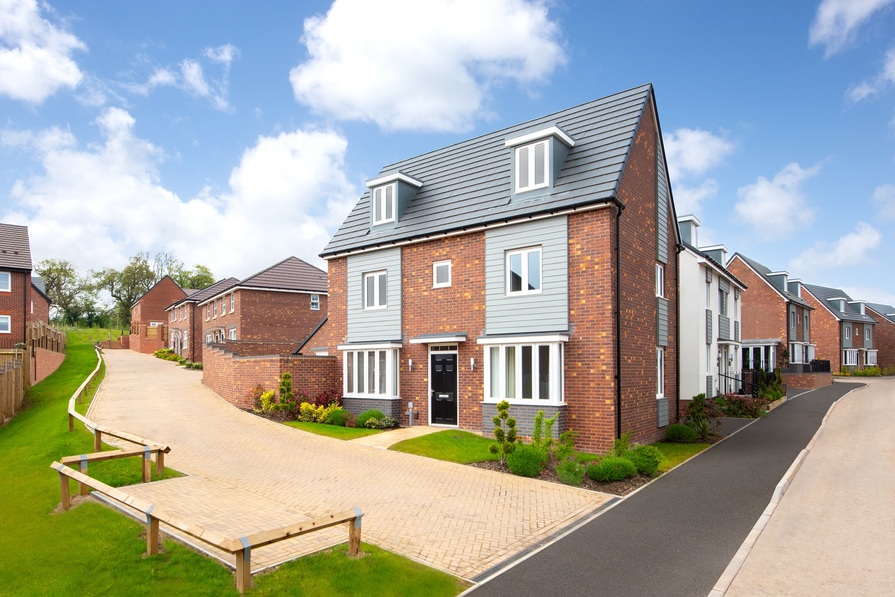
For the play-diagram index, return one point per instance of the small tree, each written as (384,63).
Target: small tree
(506,438)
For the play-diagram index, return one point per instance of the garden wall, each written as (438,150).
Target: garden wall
(808,381)
(44,362)
(232,377)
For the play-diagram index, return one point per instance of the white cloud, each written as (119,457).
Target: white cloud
(884,199)
(35,54)
(871,294)
(876,85)
(429,65)
(691,152)
(190,76)
(776,206)
(688,200)
(101,203)
(837,22)
(850,250)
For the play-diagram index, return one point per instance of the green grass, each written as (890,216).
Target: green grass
(333,430)
(676,453)
(95,550)
(451,445)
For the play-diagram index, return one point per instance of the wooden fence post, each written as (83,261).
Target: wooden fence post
(97,440)
(82,488)
(63,491)
(147,464)
(159,463)
(354,527)
(151,532)
(244,566)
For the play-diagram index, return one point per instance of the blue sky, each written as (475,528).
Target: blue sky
(234,134)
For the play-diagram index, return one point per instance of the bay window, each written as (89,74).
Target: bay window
(524,372)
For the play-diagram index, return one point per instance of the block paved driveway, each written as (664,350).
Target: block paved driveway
(248,474)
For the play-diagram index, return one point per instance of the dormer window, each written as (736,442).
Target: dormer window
(537,156)
(531,167)
(384,204)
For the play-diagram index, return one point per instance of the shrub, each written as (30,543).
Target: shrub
(868,372)
(367,415)
(702,416)
(267,401)
(255,396)
(336,417)
(350,419)
(620,445)
(307,412)
(563,449)
(736,405)
(542,437)
(611,468)
(646,459)
(526,461)
(383,423)
(680,433)
(570,472)
(166,354)
(506,438)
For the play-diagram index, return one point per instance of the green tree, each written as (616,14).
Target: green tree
(72,295)
(127,285)
(197,278)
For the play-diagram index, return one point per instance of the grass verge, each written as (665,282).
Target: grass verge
(451,445)
(333,430)
(675,453)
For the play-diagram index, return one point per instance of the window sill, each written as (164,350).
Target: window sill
(370,397)
(523,402)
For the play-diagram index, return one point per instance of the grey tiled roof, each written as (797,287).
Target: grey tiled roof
(289,274)
(469,184)
(763,271)
(197,296)
(40,285)
(708,258)
(15,249)
(823,293)
(887,311)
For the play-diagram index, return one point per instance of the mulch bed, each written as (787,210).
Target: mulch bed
(548,474)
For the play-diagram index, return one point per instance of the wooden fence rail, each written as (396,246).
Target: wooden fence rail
(12,383)
(241,547)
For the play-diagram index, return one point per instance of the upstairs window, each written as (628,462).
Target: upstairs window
(376,290)
(315,302)
(215,309)
(660,281)
(5,282)
(5,324)
(441,274)
(524,271)
(848,332)
(722,301)
(867,334)
(531,166)
(384,204)
(232,302)
(207,312)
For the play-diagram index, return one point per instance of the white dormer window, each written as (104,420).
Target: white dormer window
(531,166)
(384,204)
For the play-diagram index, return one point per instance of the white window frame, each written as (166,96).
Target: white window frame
(660,373)
(866,334)
(8,324)
(381,203)
(435,268)
(231,334)
(524,254)
(848,332)
(660,280)
(232,302)
(850,362)
(377,278)
(384,384)
(5,282)
(870,358)
(527,155)
(510,388)
(315,302)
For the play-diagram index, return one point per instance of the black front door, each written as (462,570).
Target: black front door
(444,389)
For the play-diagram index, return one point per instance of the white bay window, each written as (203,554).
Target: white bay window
(370,372)
(524,372)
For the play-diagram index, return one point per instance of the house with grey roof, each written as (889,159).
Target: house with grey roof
(535,264)
(711,310)
(843,329)
(777,321)
(16,290)
(185,320)
(276,307)
(883,333)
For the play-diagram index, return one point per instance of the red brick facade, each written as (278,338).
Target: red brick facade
(883,339)
(149,319)
(16,304)
(825,333)
(764,310)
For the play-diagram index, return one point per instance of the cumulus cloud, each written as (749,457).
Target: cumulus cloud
(99,204)
(189,75)
(850,250)
(408,65)
(35,54)
(837,21)
(883,79)
(691,153)
(884,199)
(689,200)
(778,205)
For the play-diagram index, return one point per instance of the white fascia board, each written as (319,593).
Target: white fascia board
(375,182)
(552,131)
(370,346)
(528,339)
(438,340)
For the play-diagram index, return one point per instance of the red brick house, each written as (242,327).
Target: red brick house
(40,302)
(777,320)
(16,291)
(843,330)
(148,316)
(275,309)
(185,319)
(884,333)
(536,264)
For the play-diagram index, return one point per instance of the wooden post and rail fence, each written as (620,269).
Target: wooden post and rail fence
(240,547)
(16,365)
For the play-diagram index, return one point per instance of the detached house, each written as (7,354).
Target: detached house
(777,321)
(710,335)
(148,317)
(843,330)
(16,290)
(536,264)
(883,333)
(280,305)
(185,320)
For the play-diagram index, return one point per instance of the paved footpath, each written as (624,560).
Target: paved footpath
(248,474)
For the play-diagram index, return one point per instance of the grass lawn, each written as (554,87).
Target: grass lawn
(94,550)
(676,453)
(333,430)
(451,445)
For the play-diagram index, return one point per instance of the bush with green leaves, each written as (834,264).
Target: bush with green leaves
(367,415)
(570,472)
(611,468)
(506,438)
(680,433)
(740,406)
(526,461)
(336,417)
(565,447)
(383,423)
(703,416)
(646,459)
(307,413)
(542,436)
(350,419)
(620,445)
(266,402)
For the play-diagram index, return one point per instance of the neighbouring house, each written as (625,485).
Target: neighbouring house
(710,301)
(536,264)
(272,311)
(16,290)
(148,317)
(883,334)
(777,325)
(185,319)
(40,302)
(843,330)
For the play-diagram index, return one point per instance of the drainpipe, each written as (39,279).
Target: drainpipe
(618,320)
(677,334)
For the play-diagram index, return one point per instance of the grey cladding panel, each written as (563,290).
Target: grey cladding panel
(723,327)
(709,386)
(379,324)
(847,342)
(708,326)
(662,321)
(547,311)
(661,207)
(662,418)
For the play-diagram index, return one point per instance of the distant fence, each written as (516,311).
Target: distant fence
(12,383)
(28,363)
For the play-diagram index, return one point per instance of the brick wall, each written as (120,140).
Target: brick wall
(825,330)
(233,377)
(277,316)
(337,326)
(807,381)
(764,310)
(44,362)
(16,304)
(151,306)
(140,343)
(41,308)
(883,339)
